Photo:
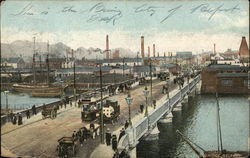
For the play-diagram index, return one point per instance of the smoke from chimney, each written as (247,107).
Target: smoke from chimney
(142,46)
(107,47)
(148,51)
(214,48)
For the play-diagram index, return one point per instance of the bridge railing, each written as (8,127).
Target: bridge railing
(155,115)
(142,127)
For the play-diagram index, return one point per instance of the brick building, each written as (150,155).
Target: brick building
(224,79)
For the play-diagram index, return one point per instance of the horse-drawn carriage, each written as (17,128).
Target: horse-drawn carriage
(66,147)
(142,81)
(49,111)
(111,111)
(90,115)
(164,76)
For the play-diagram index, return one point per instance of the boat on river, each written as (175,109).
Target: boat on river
(221,152)
(40,89)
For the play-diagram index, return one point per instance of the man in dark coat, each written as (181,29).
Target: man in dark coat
(20,122)
(154,103)
(126,124)
(122,133)
(34,109)
(141,107)
(114,142)
(14,119)
(28,114)
(108,137)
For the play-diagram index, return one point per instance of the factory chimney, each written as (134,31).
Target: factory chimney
(142,46)
(107,47)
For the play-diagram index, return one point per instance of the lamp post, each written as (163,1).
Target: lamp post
(129,100)
(151,84)
(168,87)
(146,93)
(101,118)
(7,106)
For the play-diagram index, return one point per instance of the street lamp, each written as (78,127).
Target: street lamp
(146,93)
(129,102)
(168,87)
(7,106)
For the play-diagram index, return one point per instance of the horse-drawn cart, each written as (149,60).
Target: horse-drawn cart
(66,147)
(49,111)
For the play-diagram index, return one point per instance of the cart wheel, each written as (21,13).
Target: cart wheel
(51,114)
(54,114)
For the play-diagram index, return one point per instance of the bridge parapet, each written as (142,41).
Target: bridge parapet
(143,126)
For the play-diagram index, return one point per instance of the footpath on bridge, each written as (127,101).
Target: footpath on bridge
(38,138)
(160,98)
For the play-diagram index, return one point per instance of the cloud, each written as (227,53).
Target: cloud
(168,41)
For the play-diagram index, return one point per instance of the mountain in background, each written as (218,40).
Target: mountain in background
(26,50)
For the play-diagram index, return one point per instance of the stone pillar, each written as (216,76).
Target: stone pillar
(132,153)
(153,133)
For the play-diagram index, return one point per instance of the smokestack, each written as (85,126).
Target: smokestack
(154,50)
(142,46)
(214,48)
(164,54)
(158,54)
(169,54)
(148,51)
(72,54)
(107,47)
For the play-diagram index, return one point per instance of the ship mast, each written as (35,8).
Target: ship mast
(74,77)
(219,137)
(47,62)
(34,61)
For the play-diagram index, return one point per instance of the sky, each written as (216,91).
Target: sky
(171,25)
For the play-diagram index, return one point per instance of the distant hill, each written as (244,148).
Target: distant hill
(25,49)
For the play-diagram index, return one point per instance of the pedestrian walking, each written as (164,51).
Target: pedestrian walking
(20,122)
(85,134)
(154,103)
(65,104)
(81,137)
(122,133)
(14,120)
(11,116)
(141,107)
(28,114)
(108,137)
(34,109)
(126,124)
(114,142)
(74,135)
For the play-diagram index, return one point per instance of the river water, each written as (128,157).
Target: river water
(197,121)
(23,100)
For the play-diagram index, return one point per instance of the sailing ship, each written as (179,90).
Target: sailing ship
(220,153)
(40,89)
